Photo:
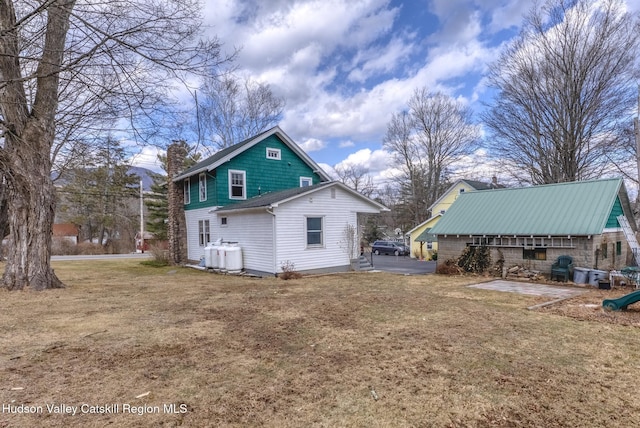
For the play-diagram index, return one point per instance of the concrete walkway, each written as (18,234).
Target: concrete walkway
(558,292)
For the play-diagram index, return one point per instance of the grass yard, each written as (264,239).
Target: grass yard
(188,348)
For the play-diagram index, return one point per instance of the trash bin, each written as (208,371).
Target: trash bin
(581,275)
(595,276)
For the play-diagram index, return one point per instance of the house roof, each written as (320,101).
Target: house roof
(65,229)
(576,208)
(423,223)
(477,185)
(224,155)
(273,199)
(427,236)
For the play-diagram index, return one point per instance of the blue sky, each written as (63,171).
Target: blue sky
(345,66)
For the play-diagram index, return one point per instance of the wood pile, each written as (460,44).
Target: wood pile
(522,272)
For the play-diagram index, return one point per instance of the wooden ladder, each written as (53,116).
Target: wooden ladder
(631,237)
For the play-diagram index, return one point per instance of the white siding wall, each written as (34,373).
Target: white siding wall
(253,231)
(194,250)
(337,213)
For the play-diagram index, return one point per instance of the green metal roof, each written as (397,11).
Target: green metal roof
(576,208)
(427,236)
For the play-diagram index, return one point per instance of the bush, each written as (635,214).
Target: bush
(64,247)
(288,271)
(90,249)
(160,257)
(449,267)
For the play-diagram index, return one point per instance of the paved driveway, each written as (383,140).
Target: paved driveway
(400,264)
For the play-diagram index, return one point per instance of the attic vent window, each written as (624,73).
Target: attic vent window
(274,154)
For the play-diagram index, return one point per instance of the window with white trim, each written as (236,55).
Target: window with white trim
(314,231)
(223,221)
(187,190)
(237,184)
(204,232)
(306,181)
(202,186)
(274,154)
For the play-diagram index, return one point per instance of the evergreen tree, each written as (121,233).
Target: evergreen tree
(157,208)
(156,201)
(98,195)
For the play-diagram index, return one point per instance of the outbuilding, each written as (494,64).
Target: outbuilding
(533,226)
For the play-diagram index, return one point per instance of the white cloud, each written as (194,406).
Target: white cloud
(312,145)
(344,67)
(346,144)
(376,160)
(508,15)
(147,157)
(378,60)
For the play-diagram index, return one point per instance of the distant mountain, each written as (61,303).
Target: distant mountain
(143,174)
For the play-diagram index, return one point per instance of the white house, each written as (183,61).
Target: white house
(303,226)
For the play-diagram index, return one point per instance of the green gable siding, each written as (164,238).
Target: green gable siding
(262,175)
(612,221)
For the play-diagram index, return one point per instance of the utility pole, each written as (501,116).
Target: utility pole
(141,219)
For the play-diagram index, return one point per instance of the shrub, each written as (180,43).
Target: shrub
(64,247)
(289,271)
(160,257)
(449,267)
(90,249)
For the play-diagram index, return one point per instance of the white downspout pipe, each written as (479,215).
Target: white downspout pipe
(273,240)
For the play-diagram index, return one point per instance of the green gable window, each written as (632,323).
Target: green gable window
(274,154)
(314,231)
(306,181)
(187,191)
(237,184)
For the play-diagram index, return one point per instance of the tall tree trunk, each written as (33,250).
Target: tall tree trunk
(26,155)
(31,203)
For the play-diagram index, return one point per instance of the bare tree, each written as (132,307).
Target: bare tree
(400,142)
(234,109)
(66,63)
(566,88)
(357,177)
(427,141)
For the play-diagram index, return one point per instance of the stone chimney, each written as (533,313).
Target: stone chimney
(177,227)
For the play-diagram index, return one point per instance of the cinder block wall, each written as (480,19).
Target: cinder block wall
(584,253)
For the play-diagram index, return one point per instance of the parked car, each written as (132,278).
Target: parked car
(389,247)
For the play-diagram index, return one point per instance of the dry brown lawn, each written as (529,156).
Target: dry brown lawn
(352,350)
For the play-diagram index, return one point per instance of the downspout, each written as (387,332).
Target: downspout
(273,231)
